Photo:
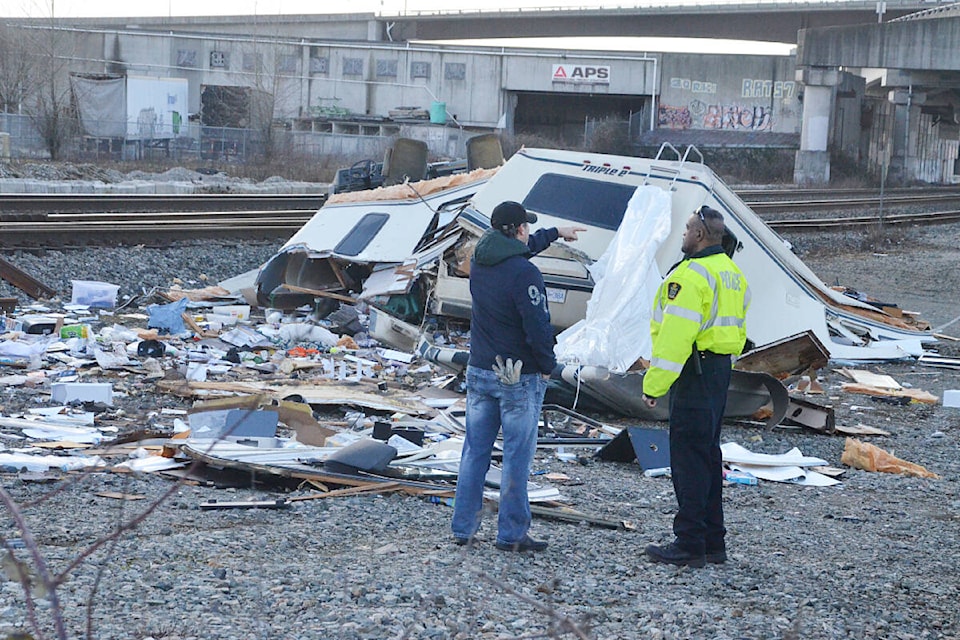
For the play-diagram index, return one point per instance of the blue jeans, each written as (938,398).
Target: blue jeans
(492,405)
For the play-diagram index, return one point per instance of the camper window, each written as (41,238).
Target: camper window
(594,202)
(362,233)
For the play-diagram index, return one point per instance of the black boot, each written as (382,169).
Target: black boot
(674,554)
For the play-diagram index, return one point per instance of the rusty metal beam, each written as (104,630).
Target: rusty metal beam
(25,282)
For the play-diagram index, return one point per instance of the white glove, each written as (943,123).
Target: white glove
(508,373)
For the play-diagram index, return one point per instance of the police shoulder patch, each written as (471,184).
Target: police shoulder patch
(673,289)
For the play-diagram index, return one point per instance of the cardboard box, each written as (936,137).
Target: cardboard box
(951,398)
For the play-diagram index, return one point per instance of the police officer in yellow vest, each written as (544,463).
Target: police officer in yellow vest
(698,324)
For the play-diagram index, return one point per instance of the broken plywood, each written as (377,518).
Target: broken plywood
(412,190)
(870,379)
(915,395)
(792,355)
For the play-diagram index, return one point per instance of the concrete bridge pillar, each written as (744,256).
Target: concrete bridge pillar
(812,164)
(903,161)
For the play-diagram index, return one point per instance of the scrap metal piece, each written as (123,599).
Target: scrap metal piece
(748,392)
(811,415)
(651,447)
(279,503)
(362,455)
(25,282)
(455,359)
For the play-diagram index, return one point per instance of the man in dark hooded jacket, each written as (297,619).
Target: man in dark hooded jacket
(511,356)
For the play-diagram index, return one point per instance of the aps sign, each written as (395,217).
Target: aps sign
(581,73)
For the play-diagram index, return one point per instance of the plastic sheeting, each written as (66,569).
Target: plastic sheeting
(168,317)
(616,329)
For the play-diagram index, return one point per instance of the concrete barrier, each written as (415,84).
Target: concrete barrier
(12,185)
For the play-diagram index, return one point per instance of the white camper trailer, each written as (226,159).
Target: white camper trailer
(593,190)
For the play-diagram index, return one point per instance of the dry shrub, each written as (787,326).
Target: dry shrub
(882,238)
(611,136)
(513,143)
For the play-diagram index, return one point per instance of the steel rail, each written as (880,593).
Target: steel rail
(852,202)
(286,222)
(270,222)
(930,217)
(808,193)
(760,200)
(119,203)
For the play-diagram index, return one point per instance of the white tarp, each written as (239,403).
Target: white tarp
(616,330)
(101,102)
(130,107)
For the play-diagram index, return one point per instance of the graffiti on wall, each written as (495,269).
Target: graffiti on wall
(738,116)
(718,114)
(749,87)
(699,115)
(768,89)
(694,86)
(674,117)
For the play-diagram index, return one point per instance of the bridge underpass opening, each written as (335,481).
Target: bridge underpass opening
(563,116)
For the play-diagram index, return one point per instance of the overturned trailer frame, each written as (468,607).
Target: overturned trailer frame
(565,187)
(377,245)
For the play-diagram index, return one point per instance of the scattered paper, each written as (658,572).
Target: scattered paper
(734,453)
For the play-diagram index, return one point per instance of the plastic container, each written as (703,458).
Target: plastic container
(67,392)
(94,294)
(657,473)
(740,477)
(438,112)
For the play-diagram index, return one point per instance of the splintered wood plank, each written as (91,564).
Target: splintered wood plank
(372,487)
(916,395)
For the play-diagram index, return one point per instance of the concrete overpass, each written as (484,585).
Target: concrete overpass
(910,69)
(762,21)
(765,21)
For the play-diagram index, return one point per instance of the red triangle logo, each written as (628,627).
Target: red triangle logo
(559,73)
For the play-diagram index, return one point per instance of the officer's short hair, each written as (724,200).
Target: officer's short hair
(712,221)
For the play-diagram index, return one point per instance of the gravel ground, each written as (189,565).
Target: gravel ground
(874,557)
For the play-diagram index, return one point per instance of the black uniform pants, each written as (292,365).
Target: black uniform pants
(697,402)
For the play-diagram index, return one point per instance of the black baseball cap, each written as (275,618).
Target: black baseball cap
(510,213)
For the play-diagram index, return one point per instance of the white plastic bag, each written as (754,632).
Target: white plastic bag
(616,330)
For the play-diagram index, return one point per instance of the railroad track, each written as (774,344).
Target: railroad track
(23,204)
(33,218)
(817,203)
(819,224)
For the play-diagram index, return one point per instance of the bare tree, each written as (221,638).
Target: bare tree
(272,71)
(51,108)
(36,56)
(17,78)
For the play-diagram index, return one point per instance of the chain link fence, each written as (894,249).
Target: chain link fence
(191,142)
(613,135)
(194,143)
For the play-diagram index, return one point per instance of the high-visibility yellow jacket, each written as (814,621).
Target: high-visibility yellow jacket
(703,301)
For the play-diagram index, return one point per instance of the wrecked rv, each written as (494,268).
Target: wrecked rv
(405,250)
